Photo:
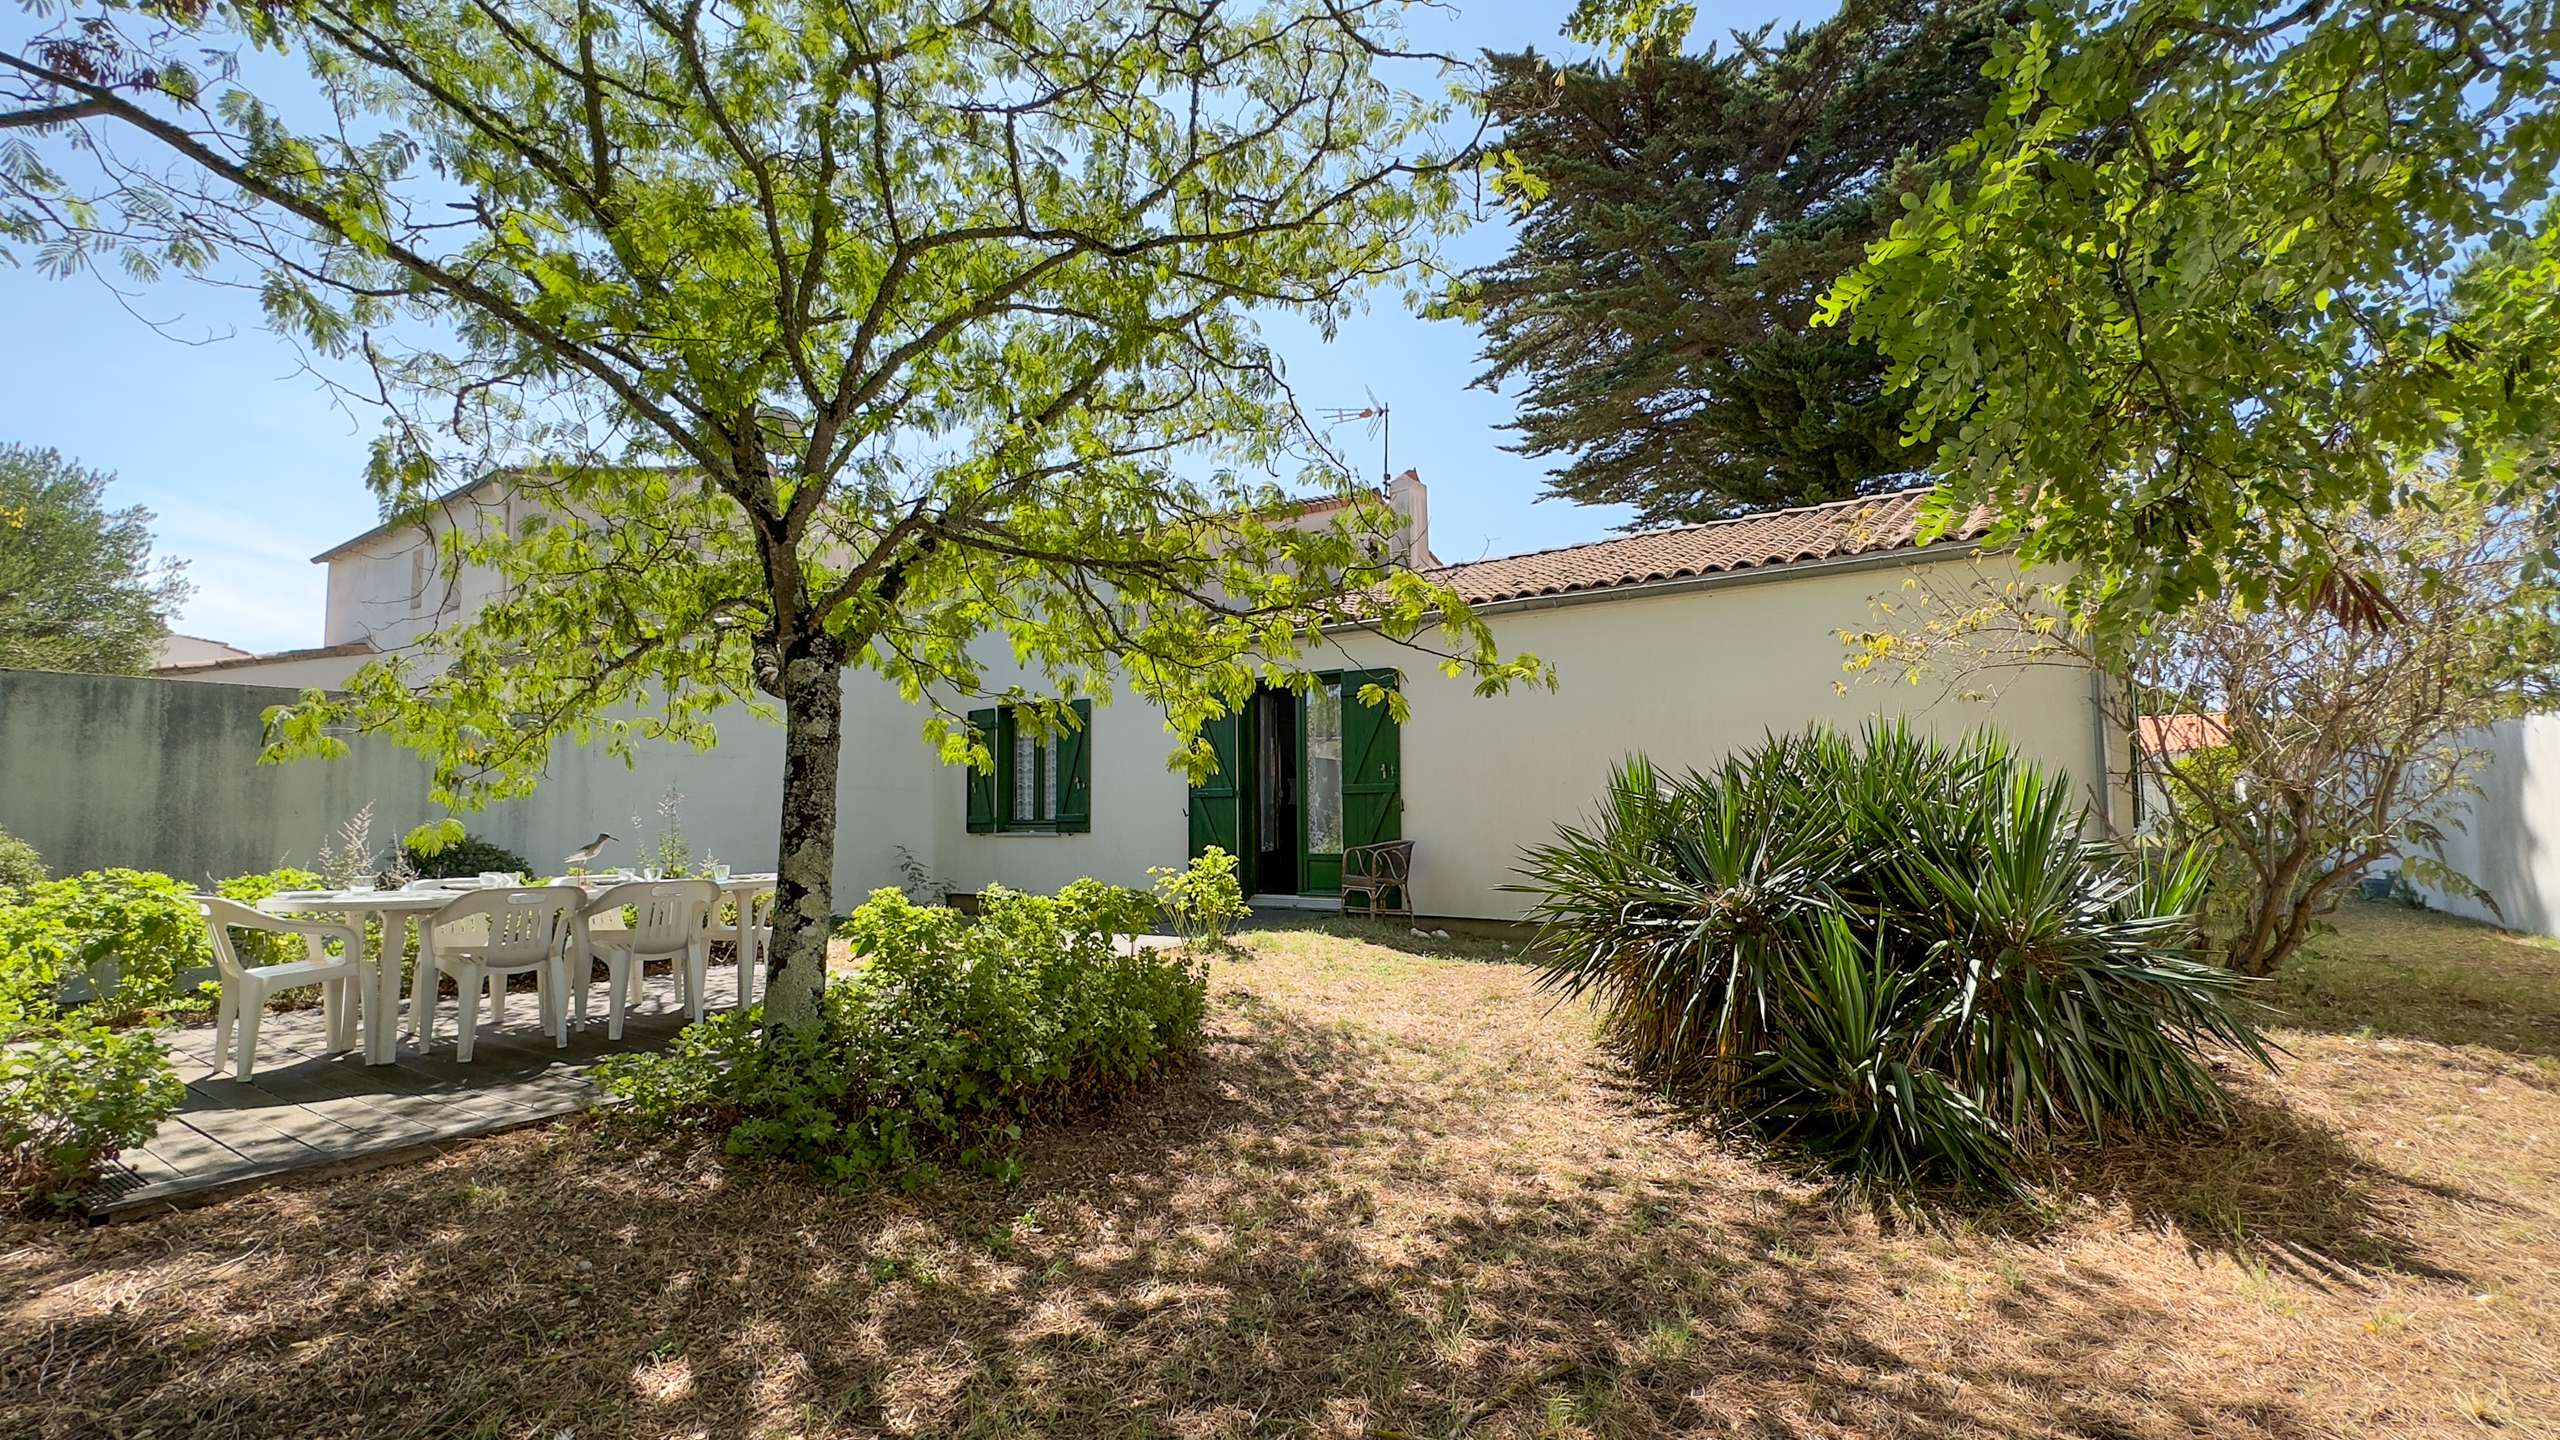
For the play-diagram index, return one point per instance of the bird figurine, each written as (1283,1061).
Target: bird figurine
(579,858)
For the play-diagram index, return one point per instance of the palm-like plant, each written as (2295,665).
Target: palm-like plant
(1910,956)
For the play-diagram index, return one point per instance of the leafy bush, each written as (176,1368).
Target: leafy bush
(1908,957)
(124,935)
(73,1097)
(1201,898)
(467,858)
(956,1031)
(1110,911)
(21,868)
(258,947)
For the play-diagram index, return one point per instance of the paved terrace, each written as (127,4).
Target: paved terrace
(311,1111)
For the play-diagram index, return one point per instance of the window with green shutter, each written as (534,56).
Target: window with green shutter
(1040,786)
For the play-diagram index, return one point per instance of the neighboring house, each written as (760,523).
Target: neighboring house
(181,652)
(2163,739)
(1682,644)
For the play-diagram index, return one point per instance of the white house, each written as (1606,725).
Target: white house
(182,652)
(1682,644)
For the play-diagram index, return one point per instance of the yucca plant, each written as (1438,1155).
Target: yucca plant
(1911,957)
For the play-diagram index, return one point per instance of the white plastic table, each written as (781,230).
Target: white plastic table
(397,910)
(380,991)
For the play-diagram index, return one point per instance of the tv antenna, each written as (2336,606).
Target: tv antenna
(1379,422)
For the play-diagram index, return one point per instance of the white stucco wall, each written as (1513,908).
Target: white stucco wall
(389,588)
(1685,677)
(2510,841)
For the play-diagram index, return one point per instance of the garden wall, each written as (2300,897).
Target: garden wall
(103,770)
(2511,843)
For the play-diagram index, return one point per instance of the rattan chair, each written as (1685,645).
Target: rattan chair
(1375,873)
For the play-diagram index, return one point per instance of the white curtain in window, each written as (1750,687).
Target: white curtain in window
(1026,794)
(1049,781)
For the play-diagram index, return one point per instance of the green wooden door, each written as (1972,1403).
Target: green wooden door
(1372,763)
(1217,803)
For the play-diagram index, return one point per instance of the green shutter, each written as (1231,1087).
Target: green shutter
(1075,770)
(1215,816)
(982,783)
(1372,763)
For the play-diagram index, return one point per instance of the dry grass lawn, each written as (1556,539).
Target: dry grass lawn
(1399,1196)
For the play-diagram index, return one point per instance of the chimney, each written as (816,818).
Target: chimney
(1411,500)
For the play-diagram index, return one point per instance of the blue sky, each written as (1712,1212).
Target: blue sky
(251,469)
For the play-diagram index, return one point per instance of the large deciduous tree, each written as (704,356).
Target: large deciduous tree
(85,204)
(78,587)
(844,336)
(2214,269)
(1682,216)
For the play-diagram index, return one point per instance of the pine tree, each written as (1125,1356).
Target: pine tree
(1656,306)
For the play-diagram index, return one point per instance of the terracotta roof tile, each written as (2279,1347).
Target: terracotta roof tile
(2178,733)
(1834,531)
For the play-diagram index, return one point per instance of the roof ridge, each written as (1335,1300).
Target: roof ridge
(1690,528)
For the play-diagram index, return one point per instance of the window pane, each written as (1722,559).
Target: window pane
(1049,782)
(1026,794)
(1324,769)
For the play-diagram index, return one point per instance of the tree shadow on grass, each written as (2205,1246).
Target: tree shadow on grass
(2268,1187)
(1296,1235)
(2386,970)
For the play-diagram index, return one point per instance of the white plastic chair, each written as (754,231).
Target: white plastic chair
(668,923)
(245,987)
(755,916)
(527,930)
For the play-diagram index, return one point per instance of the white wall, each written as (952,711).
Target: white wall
(2510,844)
(309,672)
(391,589)
(177,649)
(1685,677)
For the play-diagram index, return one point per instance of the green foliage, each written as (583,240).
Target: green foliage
(21,868)
(145,223)
(2214,271)
(464,858)
(1116,913)
(78,589)
(956,1031)
(2338,741)
(70,1099)
(1683,214)
(1905,956)
(122,936)
(259,947)
(667,852)
(1202,898)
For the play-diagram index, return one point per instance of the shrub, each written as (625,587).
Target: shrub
(258,947)
(21,868)
(73,1097)
(467,858)
(128,934)
(955,1032)
(1111,911)
(1201,898)
(1908,957)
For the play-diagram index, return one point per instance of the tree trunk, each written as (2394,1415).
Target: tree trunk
(812,749)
